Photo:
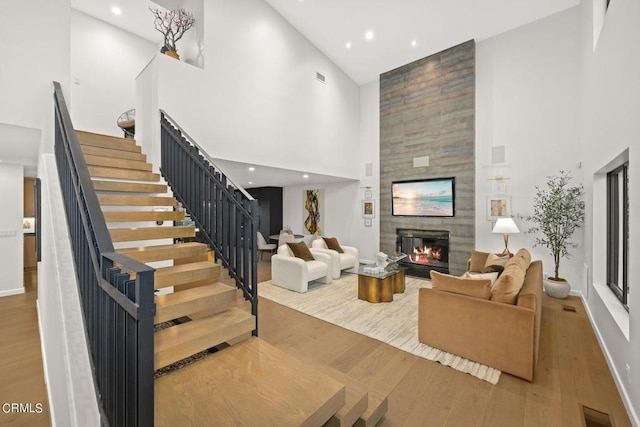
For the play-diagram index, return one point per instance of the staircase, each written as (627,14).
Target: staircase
(249,382)
(131,196)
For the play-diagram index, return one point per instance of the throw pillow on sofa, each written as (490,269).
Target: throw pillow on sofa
(493,276)
(494,259)
(300,250)
(478,288)
(525,255)
(493,269)
(477,261)
(508,285)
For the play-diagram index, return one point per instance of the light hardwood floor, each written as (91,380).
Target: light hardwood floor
(21,371)
(571,372)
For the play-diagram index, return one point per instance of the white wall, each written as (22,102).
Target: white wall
(368,238)
(338,209)
(527,100)
(553,101)
(11,236)
(610,108)
(35,53)
(105,61)
(258,100)
(70,386)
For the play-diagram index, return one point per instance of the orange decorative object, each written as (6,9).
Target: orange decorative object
(172,54)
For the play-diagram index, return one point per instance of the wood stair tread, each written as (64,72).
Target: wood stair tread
(377,407)
(106,141)
(128,187)
(164,252)
(116,154)
(140,216)
(133,175)
(127,200)
(186,273)
(92,160)
(180,341)
(151,233)
(362,405)
(182,303)
(281,389)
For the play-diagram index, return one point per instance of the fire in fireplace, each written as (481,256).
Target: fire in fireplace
(425,255)
(426,250)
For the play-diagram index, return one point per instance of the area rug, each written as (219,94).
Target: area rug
(394,323)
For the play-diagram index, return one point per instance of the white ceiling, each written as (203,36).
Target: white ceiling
(265,176)
(434,25)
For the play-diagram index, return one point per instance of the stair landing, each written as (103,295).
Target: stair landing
(252,384)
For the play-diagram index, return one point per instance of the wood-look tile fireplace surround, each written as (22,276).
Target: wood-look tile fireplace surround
(427,108)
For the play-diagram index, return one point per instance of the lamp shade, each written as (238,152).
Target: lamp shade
(505,226)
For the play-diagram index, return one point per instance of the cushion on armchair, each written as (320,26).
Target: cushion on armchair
(478,288)
(332,243)
(300,250)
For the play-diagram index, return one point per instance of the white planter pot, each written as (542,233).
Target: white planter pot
(557,289)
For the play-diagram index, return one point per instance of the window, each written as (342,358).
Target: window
(618,232)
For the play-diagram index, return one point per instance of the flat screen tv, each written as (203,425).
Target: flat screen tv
(424,197)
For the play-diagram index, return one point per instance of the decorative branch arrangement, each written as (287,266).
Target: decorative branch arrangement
(172,24)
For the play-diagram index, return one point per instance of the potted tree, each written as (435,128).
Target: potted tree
(558,212)
(172,24)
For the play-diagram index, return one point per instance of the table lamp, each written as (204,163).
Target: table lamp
(505,226)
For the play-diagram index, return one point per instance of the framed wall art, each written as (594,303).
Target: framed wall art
(368,208)
(498,206)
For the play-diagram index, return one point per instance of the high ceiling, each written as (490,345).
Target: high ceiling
(433,25)
(401,31)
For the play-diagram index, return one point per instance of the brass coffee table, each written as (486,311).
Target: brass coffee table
(380,287)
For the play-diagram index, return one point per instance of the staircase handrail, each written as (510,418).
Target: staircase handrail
(118,311)
(205,154)
(224,212)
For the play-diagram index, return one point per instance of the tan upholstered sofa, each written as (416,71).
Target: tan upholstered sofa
(500,335)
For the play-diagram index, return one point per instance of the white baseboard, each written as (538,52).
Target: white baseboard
(44,365)
(626,400)
(10,292)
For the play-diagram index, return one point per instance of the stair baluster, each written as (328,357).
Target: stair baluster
(118,311)
(223,211)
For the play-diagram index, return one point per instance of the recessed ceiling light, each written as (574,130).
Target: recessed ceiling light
(116,10)
(347,45)
(250,182)
(251,168)
(305,176)
(368,35)
(414,43)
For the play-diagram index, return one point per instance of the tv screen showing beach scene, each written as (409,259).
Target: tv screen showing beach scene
(426,197)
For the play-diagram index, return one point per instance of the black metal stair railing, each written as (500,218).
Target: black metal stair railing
(118,311)
(225,213)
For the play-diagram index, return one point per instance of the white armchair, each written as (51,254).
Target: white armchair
(293,273)
(339,261)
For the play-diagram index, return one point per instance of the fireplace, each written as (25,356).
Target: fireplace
(426,250)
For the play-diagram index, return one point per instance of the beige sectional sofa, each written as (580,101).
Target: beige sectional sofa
(489,330)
